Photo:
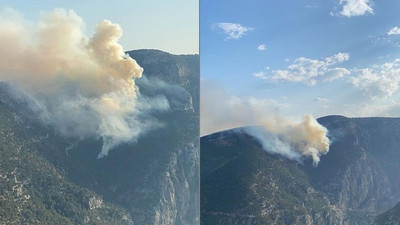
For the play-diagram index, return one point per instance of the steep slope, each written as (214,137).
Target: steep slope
(174,69)
(359,173)
(243,184)
(357,179)
(390,217)
(32,189)
(152,181)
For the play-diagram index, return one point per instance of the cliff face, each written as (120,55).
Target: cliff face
(353,183)
(59,180)
(390,217)
(35,190)
(359,174)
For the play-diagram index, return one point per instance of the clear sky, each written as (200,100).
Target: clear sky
(312,56)
(171,26)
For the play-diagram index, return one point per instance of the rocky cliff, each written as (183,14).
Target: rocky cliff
(390,217)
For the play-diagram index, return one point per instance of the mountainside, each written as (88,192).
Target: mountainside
(33,190)
(174,69)
(390,217)
(243,184)
(359,174)
(50,179)
(353,183)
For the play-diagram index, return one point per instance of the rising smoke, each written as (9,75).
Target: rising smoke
(83,86)
(219,110)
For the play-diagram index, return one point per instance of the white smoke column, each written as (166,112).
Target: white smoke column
(308,137)
(219,110)
(83,86)
(294,140)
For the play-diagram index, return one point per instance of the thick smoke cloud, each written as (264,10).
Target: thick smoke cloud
(83,86)
(220,110)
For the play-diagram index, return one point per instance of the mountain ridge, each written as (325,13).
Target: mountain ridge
(356,178)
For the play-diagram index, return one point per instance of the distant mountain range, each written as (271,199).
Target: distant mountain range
(356,181)
(49,179)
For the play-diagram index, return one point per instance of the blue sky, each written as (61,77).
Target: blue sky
(304,57)
(171,26)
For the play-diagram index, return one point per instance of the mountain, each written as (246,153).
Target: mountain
(243,184)
(174,69)
(390,217)
(353,183)
(359,173)
(47,178)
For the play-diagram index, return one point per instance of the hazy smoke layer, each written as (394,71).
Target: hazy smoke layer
(219,110)
(83,86)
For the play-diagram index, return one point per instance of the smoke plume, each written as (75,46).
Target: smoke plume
(83,86)
(220,110)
